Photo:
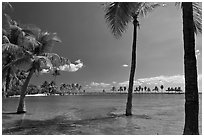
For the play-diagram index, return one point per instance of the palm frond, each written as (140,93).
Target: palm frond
(55,59)
(118,15)
(31,30)
(23,63)
(5,5)
(27,42)
(147,7)
(42,62)
(197,17)
(5,39)
(15,50)
(47,41)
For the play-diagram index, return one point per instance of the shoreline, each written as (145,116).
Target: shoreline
(89,93)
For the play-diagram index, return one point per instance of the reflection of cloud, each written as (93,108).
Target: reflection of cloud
(72,67)
(125,65)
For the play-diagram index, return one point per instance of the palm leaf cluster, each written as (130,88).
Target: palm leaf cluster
(119,14)
(29,47)
(197,15)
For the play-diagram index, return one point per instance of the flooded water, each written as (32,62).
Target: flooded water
(96,114)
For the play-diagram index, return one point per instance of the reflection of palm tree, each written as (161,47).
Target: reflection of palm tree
(118,15)
(191,12)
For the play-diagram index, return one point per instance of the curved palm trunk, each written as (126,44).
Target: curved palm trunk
(191,87)
(21,106)
(132,70)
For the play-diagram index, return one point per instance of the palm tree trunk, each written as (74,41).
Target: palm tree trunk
(132,70)
(191,86)
(21,106)
(8,79)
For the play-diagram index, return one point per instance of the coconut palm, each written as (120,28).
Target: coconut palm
(118,16)
(9,49)
(192,23)
(32,50)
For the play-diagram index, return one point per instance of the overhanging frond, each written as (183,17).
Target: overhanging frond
(118,15)
(47,41)
(147,7)
(197,17)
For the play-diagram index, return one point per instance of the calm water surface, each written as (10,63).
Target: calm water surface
(96,114)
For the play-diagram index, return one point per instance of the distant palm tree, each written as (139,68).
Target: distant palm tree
(56,73)
(162,87)
(192,23)
(118,15)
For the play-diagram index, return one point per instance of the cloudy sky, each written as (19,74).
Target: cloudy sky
(85,36)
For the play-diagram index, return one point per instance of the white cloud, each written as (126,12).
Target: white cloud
(176,79)
(126,83)
(199,76)
(125,65)
(45,71)
(197,52)
(72,67)
(99,84)
(94,84)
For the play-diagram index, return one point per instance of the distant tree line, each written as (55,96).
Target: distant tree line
(147,89)
(48,88)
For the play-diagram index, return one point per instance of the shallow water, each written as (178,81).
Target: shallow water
(96,114)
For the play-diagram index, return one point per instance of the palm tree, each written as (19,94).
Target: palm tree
(56,73)
(118,15)
(192,23)
(32,48)
(9,36)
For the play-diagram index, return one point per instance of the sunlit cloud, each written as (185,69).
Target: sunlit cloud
(125,65)
(126,83)
(197,52)
(95,84)
(72,67)
(176,79)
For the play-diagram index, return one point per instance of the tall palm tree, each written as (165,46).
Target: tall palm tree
(192,23)
(118,16)
(32,49)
